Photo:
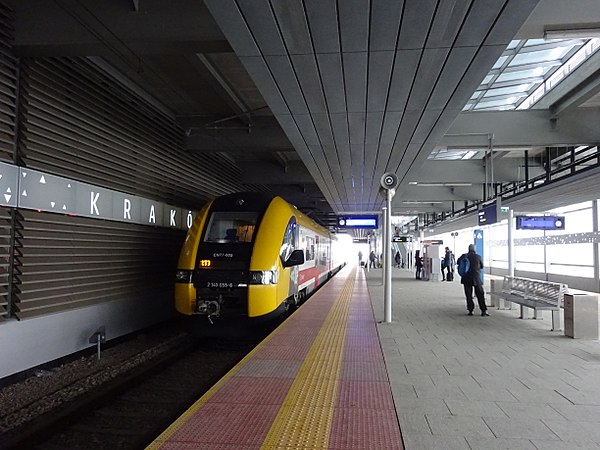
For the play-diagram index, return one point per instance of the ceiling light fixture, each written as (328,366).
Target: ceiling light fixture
(439,184)
(410,202)
(469,154)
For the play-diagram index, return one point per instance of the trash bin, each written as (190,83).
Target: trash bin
(581,316)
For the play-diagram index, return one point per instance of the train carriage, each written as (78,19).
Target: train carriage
(251,255)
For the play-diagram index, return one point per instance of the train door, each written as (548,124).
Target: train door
(291,242)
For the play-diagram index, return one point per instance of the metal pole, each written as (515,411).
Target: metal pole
(384,240)
(387,257)
(491,147)
(511,256)
(596,252)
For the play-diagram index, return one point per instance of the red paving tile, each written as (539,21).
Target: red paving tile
(241,412)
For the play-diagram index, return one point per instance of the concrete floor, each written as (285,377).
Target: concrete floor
(472,382)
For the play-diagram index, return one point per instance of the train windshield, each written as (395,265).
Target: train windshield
(227,227)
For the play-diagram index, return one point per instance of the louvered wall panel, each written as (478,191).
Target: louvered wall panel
(81,124)
(8,85)
(69,262)
(5,227)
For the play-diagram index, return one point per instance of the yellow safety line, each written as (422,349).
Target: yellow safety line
(165,435)
(304,420)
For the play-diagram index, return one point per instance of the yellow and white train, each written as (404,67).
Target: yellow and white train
(251,255)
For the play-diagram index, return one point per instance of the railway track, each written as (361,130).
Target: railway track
(131,410)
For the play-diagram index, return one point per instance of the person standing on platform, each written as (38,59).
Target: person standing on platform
(469,269)
(360,258)
(398,259)
(418,264)
(448,263)
(372,259)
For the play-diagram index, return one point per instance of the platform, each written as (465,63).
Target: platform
(326,378)
(472,382)
(317,382)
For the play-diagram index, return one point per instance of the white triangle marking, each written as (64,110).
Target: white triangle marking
(9,191)
(42,180)
(52,204)
(64,207)
(24,194)
(69,185)
(7,197)
(24,174)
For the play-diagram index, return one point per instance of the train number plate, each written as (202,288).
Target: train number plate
(218,284)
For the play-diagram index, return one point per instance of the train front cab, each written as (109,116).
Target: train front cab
(238,258)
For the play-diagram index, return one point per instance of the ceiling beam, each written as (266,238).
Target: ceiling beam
(575,89)
(578,126)
(473,171)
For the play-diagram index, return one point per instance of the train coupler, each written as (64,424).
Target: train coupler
(208,307)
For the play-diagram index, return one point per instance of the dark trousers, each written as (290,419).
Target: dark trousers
(478,292)
(447,268)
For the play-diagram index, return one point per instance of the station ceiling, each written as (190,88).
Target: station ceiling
(316,99)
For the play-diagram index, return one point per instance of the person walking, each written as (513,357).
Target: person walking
(471,279)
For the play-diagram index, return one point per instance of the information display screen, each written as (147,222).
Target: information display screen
(368,222)
(540,222)
(488,215)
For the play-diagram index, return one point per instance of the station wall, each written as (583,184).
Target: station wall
(63,274)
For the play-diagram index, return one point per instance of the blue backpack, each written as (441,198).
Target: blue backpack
(464,266)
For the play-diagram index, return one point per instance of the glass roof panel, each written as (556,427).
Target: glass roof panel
(541,56)
(488,103)
(521,75)
(524,87)
(487,79)
(527,70)
(500,61)
(512,44)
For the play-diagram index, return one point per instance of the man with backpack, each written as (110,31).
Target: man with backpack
(469,268)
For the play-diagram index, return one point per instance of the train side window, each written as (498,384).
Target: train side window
(290,240)
(310,248)
(229,227)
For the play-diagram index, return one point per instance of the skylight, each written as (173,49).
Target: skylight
(527,70)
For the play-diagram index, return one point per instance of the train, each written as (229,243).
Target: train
(251,255)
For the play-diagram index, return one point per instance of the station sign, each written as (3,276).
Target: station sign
(488,215)
(433,242)
(32,189)
(364,222)
(540,222)
(401,238)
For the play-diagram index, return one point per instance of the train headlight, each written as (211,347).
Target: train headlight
(264,277)
(183,276)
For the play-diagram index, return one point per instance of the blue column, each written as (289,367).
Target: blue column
(478,242)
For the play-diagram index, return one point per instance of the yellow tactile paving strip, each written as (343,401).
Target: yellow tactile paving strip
(305,416)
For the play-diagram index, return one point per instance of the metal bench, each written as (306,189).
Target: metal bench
(534,294)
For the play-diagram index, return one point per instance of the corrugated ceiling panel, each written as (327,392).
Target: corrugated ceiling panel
(385,24)
(81,124)
(332,79)
(70,262)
